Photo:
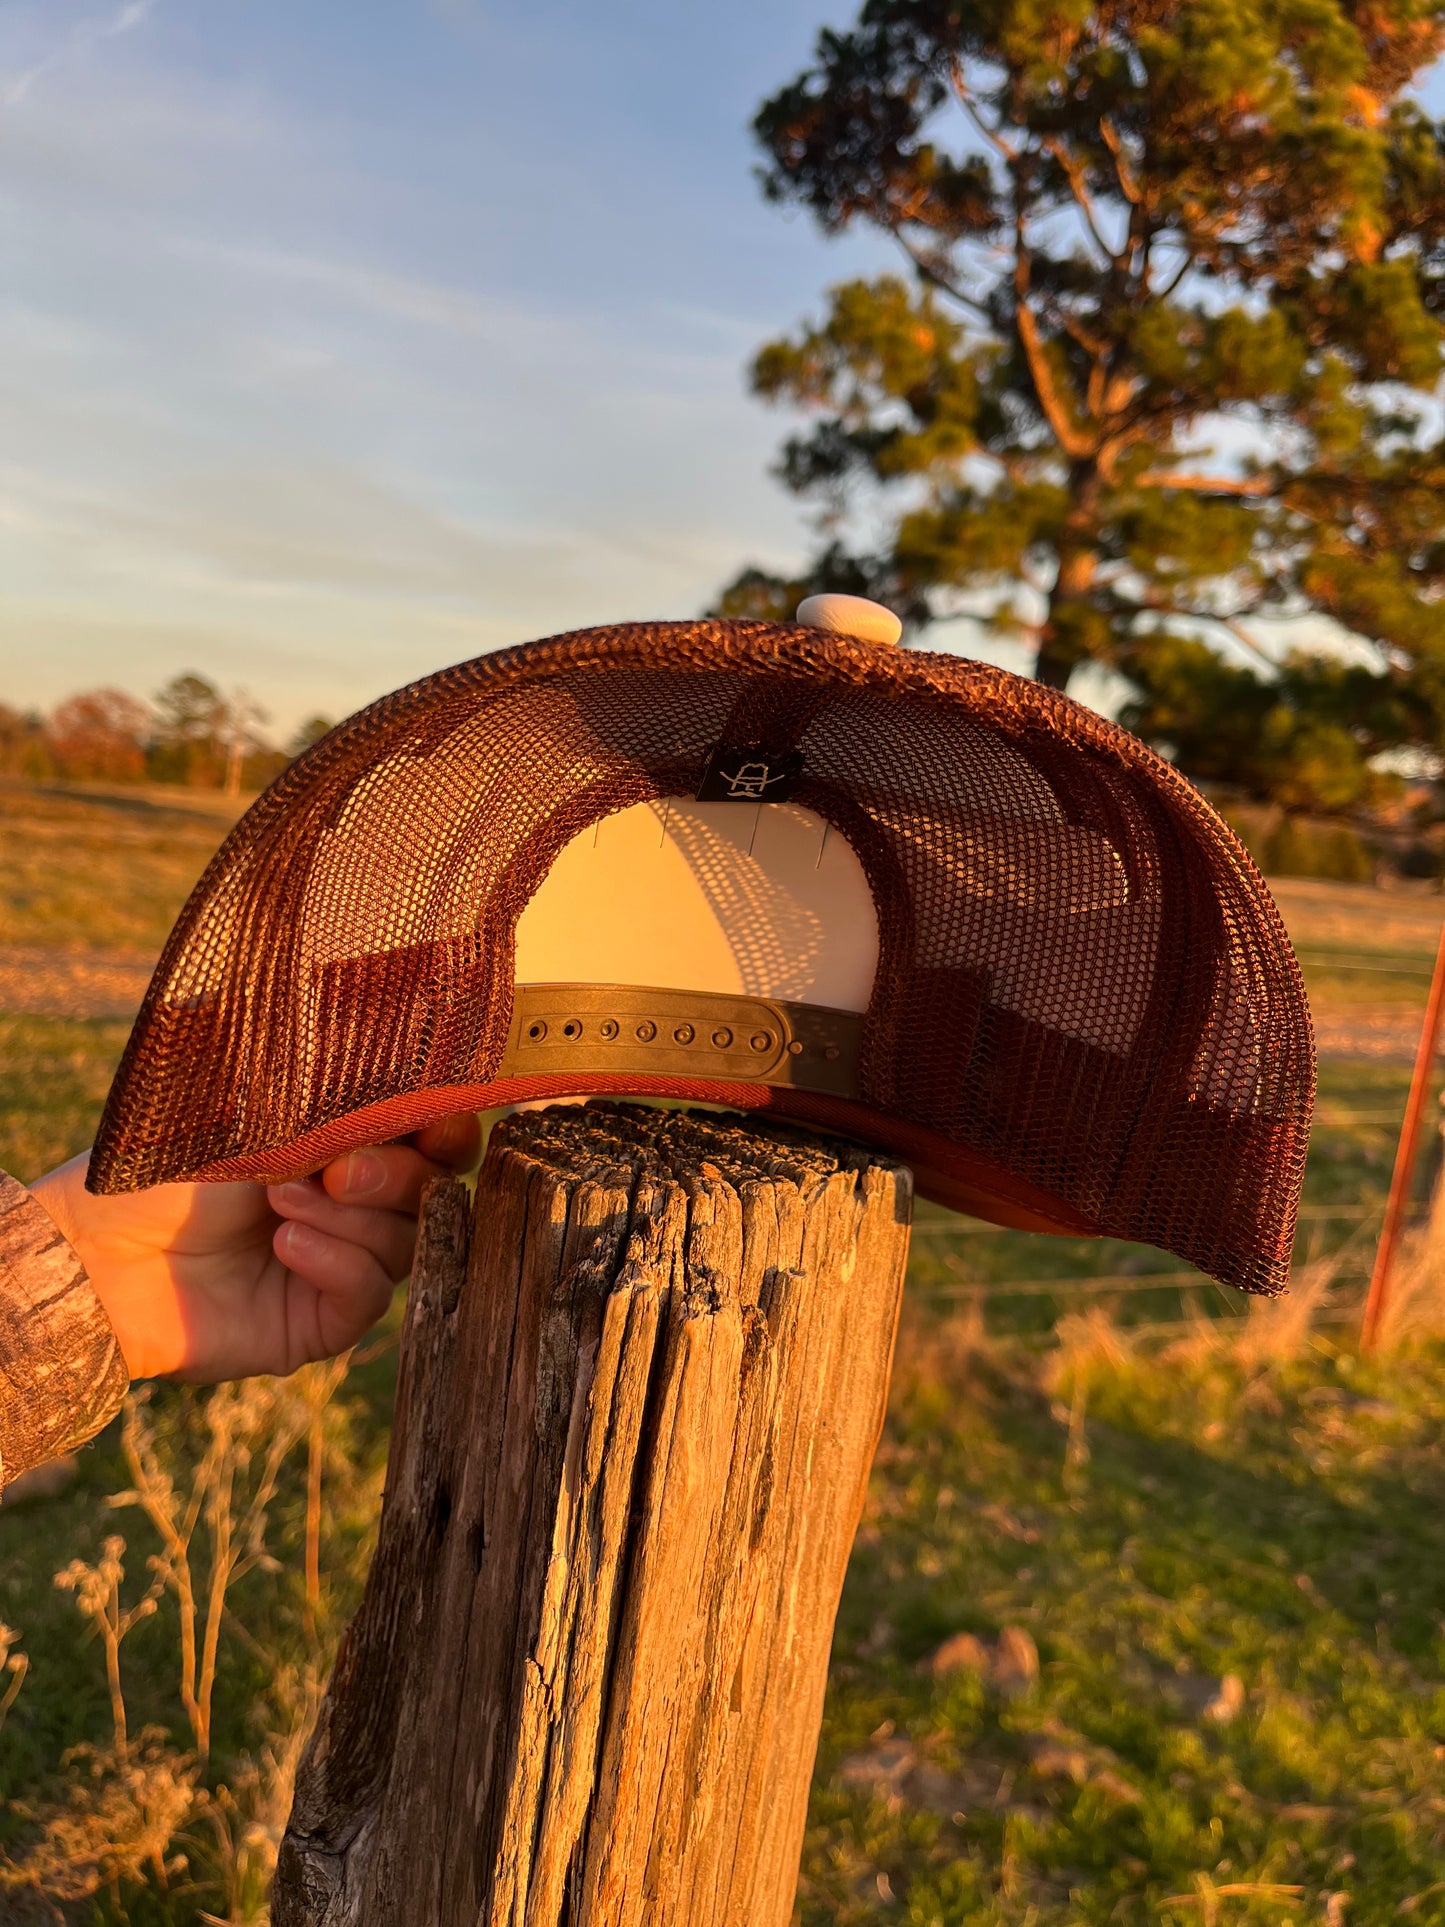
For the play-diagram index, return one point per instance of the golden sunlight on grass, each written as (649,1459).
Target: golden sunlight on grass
(1143,1624)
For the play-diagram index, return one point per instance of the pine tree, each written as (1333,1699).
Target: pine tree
(189,740)
(1164,348)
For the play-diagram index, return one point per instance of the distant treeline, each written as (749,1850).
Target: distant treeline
(192,733)
(189,733)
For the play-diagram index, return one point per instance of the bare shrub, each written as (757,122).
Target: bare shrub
(97,1595)
(15,1664)
(251,1428)
(115,1824)
(126,1805)
(100,733)
(124,1801)
(246,1817)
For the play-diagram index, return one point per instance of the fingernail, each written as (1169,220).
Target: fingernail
(298,1192)
(458,1136)
(365,1174)
(295,1240)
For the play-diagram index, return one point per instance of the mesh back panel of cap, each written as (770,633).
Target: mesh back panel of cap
(1083,978)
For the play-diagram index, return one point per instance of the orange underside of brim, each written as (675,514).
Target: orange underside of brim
(948,1174)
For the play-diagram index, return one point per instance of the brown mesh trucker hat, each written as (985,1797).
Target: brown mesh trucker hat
(904,897)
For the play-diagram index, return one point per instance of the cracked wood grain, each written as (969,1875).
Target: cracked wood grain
(640,1390)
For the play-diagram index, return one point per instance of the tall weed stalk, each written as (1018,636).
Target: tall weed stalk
(128,1803)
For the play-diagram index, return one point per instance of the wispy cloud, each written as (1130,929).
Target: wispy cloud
(312,378)
(398,297)
(83,36)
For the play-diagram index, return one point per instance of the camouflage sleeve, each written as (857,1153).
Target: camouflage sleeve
(62,1375)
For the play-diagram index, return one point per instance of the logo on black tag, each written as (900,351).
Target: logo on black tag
(749,776)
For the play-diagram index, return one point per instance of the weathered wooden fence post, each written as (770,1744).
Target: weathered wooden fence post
(639,1398)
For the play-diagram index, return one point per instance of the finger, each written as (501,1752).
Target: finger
(452,1141)
(353,1287)
(389,1236)
(395,1175)
(390,1177)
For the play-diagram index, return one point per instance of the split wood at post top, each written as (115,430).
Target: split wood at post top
(638,1400)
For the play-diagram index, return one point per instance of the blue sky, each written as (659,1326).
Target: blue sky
(342,341)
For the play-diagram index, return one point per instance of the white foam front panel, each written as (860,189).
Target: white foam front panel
(762,899)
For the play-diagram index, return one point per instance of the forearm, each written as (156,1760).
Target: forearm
(62,1374)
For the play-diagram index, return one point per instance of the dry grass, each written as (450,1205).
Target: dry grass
(1415,1308)
(140,1810)
(1139,1630)
(1219,1541)
(15,1664)
(86,869)
(1223,1544)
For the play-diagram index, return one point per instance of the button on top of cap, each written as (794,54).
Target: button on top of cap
(850,615)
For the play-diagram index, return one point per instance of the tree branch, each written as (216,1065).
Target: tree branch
(1159,606)
(1051,402)
(1074,444)
(966,100)
(1208,484)
(1074,174)
(1128,185)
(1140,243)
(1241,634)
(1185,265)
(936,279)
(1091,344)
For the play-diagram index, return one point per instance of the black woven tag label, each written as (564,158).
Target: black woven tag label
(749,776)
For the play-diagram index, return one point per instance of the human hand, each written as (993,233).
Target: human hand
(212,1281)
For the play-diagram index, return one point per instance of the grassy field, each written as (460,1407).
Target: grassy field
(91,869)
(83,874)
(1145,1623)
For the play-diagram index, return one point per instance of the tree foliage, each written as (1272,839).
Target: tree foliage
(100,733)
(191,734)
(1164,353)
(190,737)
(309,733)
(1304,738)
(23,750)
